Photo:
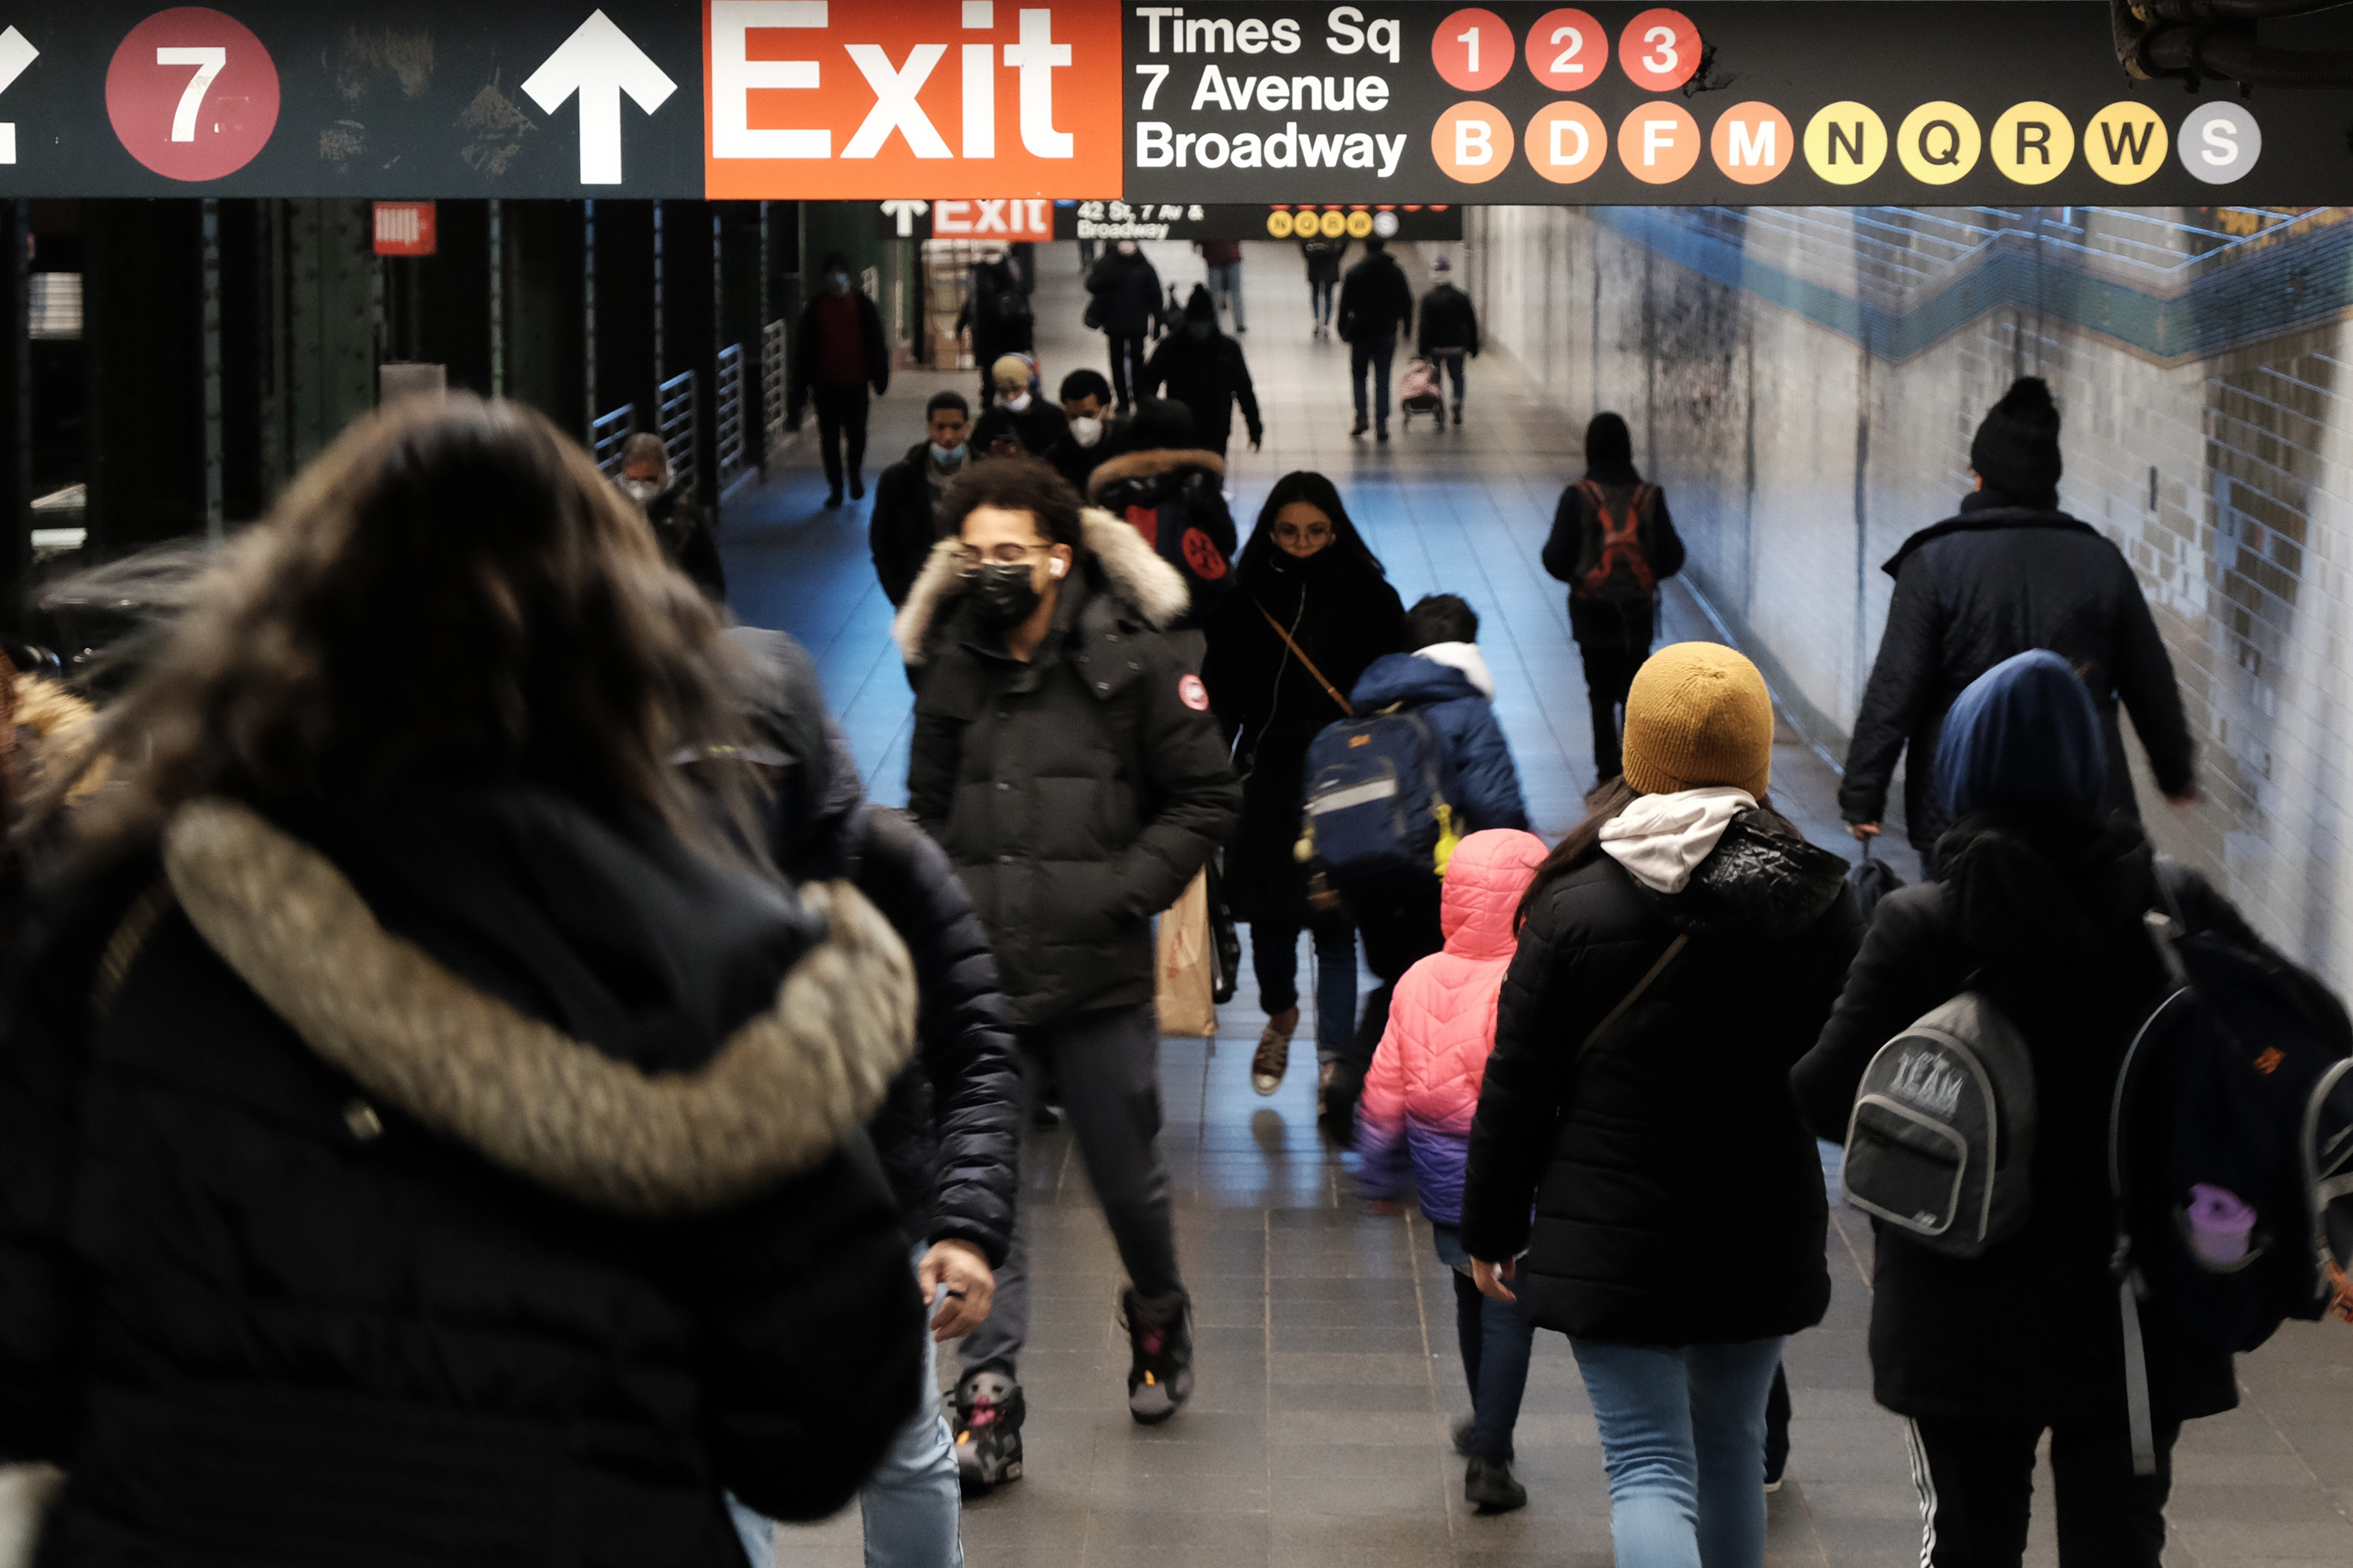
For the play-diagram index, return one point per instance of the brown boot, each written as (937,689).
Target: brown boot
(1273,1056)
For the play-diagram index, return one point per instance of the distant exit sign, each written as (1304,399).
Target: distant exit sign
(404,229)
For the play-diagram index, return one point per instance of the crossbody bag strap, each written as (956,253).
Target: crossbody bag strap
(1675,951)
(1301,654)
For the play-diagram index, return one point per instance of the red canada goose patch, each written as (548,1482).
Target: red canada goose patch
(1202,555)
(1192,693)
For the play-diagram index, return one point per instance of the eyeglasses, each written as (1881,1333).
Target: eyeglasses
(1311,533)
(999,555)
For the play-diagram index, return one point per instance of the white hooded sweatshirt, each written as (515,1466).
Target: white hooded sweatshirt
(1662,838)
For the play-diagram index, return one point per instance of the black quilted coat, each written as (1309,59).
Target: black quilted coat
(449,1185)
(1982,587)
(1678,1197)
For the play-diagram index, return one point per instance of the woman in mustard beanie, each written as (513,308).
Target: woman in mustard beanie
(1678,952)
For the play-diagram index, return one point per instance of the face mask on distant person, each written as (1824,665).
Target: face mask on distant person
(1005,594)
(1017,402)
(1127,247)
(1197,330)
(838,281)
(1086,430)
(950,457)
(641,491)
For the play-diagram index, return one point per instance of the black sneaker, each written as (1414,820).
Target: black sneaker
(1160,1335)
(833,496)
(857,486)
(1382,434)
(1463,1427)
(987,1424)
(1488,1487)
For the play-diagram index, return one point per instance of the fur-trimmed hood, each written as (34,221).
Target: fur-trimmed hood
(1151,465)
(774,1101)
(1125,566)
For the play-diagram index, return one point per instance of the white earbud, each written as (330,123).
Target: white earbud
(1056,568)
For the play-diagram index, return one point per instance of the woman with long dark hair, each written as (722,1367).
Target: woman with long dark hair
(1311,607)
(418,1128)
(1680,949)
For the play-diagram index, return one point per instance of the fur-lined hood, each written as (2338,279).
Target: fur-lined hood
(771,1102)
(1130,569)
(1152,465)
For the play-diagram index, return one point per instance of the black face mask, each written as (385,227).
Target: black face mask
(1004,596)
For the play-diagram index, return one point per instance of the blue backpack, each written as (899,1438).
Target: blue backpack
(2238,1080)
(1379,803)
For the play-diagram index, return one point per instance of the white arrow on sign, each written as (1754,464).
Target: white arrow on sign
(599,62)
(16,54)
(906,213)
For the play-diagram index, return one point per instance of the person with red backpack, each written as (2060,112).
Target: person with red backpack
(1612,543)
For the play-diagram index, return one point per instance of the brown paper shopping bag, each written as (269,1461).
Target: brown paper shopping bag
(1183,972)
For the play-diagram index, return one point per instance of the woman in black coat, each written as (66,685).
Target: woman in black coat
(2039,905)
(421,1139)
(1306,575)
(1681,950)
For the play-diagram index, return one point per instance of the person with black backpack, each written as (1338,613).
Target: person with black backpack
(2004,1319)
(1613,544)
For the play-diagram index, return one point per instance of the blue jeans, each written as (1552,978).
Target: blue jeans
(1274,957)
(1496,1338)
(1226,287)
(910,1503)
(1682,1433)
(1373,351)
(1319,296)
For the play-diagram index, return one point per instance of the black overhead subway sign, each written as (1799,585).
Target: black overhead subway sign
(1985,100)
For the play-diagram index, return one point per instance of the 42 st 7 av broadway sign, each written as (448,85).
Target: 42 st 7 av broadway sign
(1378,104)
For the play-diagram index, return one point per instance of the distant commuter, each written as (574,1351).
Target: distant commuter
(669,506)
(1323,258)
(1125,303)
(1376,306)
(424,1137)
(1679,952)
(997,434)
(1613,544)
(997,310)
(1224,260)
(2039,904)
(1064,757)
(1173,491)
(1312,608)
(1449,329)
(1086,404)
(838,354)
(1041,425)
(1204,370)
(905,526)
(2010,573)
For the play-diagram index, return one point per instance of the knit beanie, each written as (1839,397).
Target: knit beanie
(1698,715)
(1198,306)
(2017,448)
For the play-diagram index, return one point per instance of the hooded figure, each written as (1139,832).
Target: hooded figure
(2039,907)
(1204,370)
(1124,302)
(1173,490)
(670,506)
(2010,571)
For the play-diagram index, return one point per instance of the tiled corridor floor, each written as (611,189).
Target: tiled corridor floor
(1327,1364)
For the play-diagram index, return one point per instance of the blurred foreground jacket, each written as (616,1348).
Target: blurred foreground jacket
(463,1183)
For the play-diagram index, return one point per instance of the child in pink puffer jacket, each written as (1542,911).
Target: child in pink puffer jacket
(1418,1103)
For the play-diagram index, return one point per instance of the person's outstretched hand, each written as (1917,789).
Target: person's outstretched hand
(1864,829)
(1254,440)
(1490,1277)
(2185,800)
(955,1279)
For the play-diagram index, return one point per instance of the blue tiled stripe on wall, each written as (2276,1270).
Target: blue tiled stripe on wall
(2278,289)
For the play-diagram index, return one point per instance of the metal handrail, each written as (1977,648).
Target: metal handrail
(679,417)
(730,412)
(607,433)
(772,389)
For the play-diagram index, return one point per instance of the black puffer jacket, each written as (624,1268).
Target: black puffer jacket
(1374,299)
(1678,1197)
(1208,375)
(1447,322)
(1177,499)
(462,1190)
(905,522)
(1127,293)
(1979,588)
(1343,614)
(2049,918)
(1078,793)
(949,1134)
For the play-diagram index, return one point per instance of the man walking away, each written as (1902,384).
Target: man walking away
(1613,544)
(997,310)
(1449,329)
(1086,404)
(907,497)
(2011,573)
(1324,257)
(1065,758)
(1204,370)
(838,354)
(1125,303)
(1375,305)
(1224,259)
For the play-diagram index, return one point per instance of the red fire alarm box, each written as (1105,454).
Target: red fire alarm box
(404,229)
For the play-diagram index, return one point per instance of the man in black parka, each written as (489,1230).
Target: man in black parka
(2011,573)
(1065,758)
(1204,370)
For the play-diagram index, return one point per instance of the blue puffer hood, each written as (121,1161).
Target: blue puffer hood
(1408,678)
